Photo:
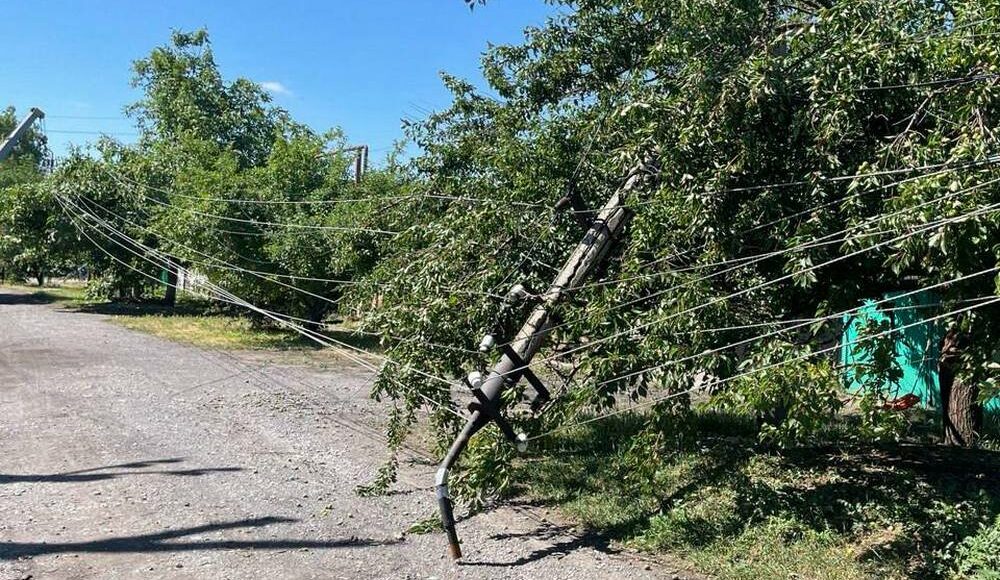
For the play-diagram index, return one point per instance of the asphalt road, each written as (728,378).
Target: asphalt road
(126,456)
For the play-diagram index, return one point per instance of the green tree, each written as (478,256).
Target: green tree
(186,98)
(228,185)
(752,109)
(28,216)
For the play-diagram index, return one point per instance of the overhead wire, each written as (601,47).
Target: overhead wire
(346,422)
(938,169)
(292,276)
(342,347)
(220,264)
(656,400)
(750,260)
(648,297)
(658,320)
(801,324)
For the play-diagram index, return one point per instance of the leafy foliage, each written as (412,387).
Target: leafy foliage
(782,129)
(977,555)
(31,234)
(810,154)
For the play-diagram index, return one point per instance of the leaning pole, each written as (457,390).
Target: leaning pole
(515,358)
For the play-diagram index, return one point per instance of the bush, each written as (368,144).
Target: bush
(978,556)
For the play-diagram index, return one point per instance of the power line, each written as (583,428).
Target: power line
(265,276)
(931,83)
(268,276)
(270,223)
(90,117)
(800,324)
(938,170)
(410,197)
(312,335)
(986,302)
(286,316)
(748,261)
(86,132)
(983,210)
(343,348)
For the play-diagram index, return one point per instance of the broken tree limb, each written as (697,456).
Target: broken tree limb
(584,259)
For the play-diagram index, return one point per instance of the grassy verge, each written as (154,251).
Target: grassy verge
(214,331)
(735,510)
(196,322)
(191,321)
(70,295)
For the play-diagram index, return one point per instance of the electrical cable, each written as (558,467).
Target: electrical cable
(344,348)
(986,302)
(983,210)
(760,257)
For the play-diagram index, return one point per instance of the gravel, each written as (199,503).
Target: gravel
(126,456)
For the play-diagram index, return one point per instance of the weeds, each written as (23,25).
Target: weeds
(706,490)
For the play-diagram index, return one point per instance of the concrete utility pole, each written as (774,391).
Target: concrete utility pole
(8,145)
(360,161)
(512,365)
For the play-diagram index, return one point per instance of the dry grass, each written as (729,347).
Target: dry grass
(224,332)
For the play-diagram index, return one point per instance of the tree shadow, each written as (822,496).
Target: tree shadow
(32,298)
(938,495)
(145,308)
(120,470)
(572,542)
(159,542)
(283,339)
(898,504)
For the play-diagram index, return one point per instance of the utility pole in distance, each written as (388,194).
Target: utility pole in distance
(11,141)
(513,363)
(360,159)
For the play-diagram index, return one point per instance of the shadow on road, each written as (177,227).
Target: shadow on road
(565,539)
(158,542)
(8,298)
(119,470)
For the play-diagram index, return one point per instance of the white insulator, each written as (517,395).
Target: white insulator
(486,343)
(475,379)
(522,442)
(516,292)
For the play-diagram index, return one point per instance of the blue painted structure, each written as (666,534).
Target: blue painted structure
(917,349)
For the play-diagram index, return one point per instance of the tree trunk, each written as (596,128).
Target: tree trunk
(961,413)
(317,310)
(170,296)
(40,277)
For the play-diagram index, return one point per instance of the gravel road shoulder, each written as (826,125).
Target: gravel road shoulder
(124,456)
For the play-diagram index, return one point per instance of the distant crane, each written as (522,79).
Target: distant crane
(11,141)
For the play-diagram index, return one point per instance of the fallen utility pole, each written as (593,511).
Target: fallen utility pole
(515,357)
(11,141)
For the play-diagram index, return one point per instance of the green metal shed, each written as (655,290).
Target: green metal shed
(917,349)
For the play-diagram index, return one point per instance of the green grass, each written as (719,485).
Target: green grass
(198,323)
(735,510)
(191,321)
(212,331)
(67,295)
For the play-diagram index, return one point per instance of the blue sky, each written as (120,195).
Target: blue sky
(359,65)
